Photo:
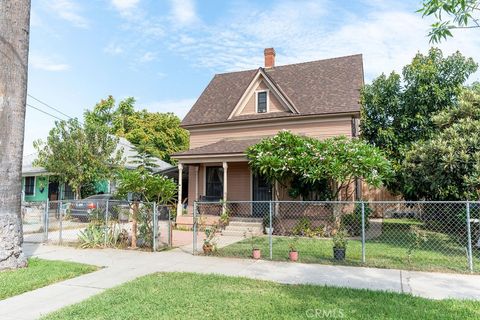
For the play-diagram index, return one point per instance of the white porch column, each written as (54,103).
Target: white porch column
(196,182)
(225,184)
(180,181)
(225,169)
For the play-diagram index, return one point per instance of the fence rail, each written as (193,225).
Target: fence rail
(416,235)
(98,223)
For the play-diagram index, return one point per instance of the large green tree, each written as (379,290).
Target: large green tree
(79,153)
(450,15)
(447,166)
(157,133)
(398,110)
(305,161)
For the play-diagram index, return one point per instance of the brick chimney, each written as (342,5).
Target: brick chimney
(269,57)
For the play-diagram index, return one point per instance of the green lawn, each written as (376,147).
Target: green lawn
(389,250)
(194,296)
(39,273)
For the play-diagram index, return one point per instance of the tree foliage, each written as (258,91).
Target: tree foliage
(447,167)
(78,154)
(450,15)
(287,157)
(158,134)
(399,110)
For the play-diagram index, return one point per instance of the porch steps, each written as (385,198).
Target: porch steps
(240,227)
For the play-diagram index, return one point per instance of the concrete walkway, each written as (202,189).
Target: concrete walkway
(122,265)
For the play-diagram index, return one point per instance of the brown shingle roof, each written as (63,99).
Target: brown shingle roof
(318,87)
(224,146)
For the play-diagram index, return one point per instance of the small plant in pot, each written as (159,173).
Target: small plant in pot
(256,253)
(340,245)
(293,253)
(210,242)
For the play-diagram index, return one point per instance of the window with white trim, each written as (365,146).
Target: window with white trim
(29,186)
(262,100)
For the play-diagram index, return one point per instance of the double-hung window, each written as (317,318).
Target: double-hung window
(214,183)
(262,97)
(29,186)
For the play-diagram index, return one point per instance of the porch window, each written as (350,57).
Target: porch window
(29,186)
(214,183)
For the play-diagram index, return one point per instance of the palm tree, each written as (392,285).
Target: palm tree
(14,36)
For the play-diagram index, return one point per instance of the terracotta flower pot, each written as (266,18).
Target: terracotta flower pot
(256,254)
(293,255)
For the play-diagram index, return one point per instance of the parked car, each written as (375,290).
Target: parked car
(85,208)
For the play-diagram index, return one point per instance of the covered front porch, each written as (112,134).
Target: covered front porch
(217,173)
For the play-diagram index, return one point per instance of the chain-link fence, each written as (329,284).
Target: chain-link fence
(93,223)
(428,236)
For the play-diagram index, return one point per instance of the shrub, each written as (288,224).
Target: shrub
(352,222)
(305,228)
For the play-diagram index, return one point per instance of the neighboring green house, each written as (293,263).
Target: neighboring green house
(38,184)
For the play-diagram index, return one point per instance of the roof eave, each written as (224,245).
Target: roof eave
(273,119)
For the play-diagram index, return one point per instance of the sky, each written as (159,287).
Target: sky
(164,52)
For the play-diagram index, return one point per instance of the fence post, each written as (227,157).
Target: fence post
(155,226)
(169,228)
(270,243)
(469,235)
(45,221)
(363,232)
(60,223)
(195,227)
(106,224)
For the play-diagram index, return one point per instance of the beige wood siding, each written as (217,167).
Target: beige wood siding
(319,129)
(238,176)
(273,104)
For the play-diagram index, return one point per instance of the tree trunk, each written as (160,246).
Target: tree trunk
(136,209)
(14,36)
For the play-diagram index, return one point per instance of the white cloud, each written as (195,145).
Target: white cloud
(125,7)
(147,57)
(388,36)
(113,49)
(68,10)
(179,107)
(183,12)
(47,63)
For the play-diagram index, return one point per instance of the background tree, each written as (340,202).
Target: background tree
(451,15)
(287,157)
(79,154)
(398,110)
(144,186)
(447,166)
(14,42)
(158,134)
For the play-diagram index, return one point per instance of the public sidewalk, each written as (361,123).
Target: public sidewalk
(122,265)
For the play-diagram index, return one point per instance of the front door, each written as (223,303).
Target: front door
(262,191)
(53,191)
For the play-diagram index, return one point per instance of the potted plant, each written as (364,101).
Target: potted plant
(293,253)
(266,224)
(340,245)
(210,242)
(256,253)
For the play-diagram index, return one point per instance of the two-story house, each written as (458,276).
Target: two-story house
(237,109)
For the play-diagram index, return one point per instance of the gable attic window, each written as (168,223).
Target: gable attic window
(262,100)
